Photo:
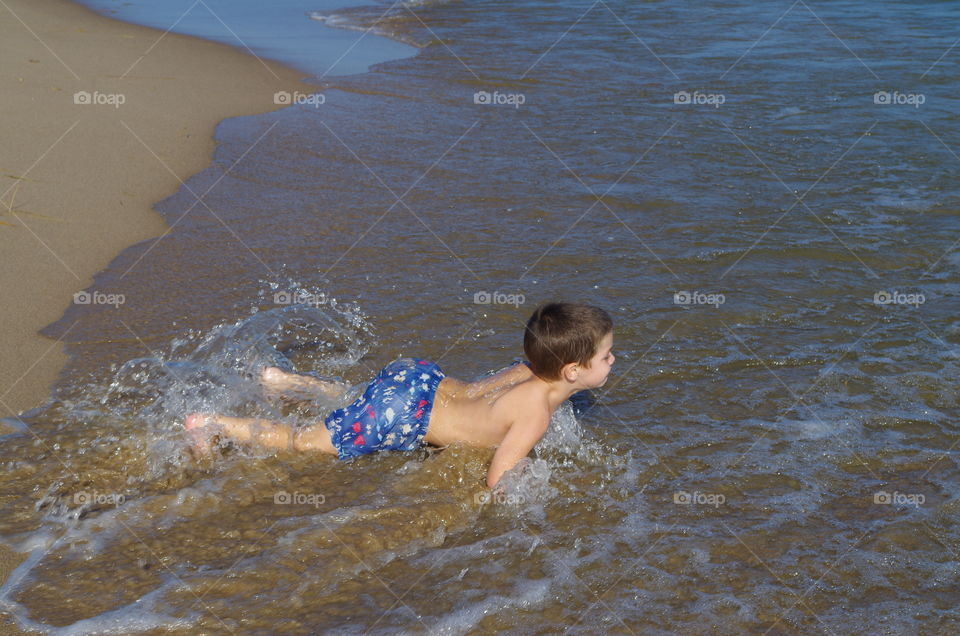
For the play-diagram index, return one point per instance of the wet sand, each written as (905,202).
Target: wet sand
(9,560)
(101,120)
(78,180)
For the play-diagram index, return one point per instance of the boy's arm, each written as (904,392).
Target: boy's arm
(508,377)
(519,441)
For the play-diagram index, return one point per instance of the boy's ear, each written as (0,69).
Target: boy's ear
(570,371)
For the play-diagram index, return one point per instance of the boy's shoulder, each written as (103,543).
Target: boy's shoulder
(526,401)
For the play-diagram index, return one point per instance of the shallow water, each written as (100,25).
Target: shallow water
(775,449)
(280,29)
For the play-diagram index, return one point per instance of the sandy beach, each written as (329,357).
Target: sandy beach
(101,120)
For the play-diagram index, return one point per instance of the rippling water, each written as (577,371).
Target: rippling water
(763,195)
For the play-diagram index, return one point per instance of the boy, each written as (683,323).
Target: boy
(569,348)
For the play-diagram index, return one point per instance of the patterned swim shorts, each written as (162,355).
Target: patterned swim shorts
(393,412)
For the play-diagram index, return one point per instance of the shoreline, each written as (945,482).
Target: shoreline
(105,119)
(78,181)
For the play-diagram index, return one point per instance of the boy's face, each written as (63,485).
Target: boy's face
(600,364)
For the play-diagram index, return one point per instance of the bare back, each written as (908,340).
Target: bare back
(482,413)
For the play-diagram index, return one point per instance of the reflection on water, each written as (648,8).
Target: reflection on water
(774,450)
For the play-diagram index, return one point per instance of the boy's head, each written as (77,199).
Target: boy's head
(558,334)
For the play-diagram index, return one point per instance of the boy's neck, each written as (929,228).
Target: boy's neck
(558,391)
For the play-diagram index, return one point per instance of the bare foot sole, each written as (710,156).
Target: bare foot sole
(201,429)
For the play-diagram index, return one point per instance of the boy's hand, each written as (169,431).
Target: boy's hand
(522,466)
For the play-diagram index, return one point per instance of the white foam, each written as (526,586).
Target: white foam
(525,594)
(511,541)
(18,425)
(327,520)
(37,544)
(136,616)
(339,21)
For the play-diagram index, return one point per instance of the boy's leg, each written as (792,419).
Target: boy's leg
(280,381)
(205,428)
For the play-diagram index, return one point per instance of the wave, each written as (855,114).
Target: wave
(396,21)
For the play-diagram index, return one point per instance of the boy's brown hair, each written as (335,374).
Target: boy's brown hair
(561,333)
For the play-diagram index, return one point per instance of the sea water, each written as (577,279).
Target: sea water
(754,191)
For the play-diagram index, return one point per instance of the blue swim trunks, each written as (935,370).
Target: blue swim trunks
(393,412)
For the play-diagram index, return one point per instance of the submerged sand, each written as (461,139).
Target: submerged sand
(101,120)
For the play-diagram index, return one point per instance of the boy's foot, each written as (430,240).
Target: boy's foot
(202,429)
(297,387)
(275,379)
(278,384)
